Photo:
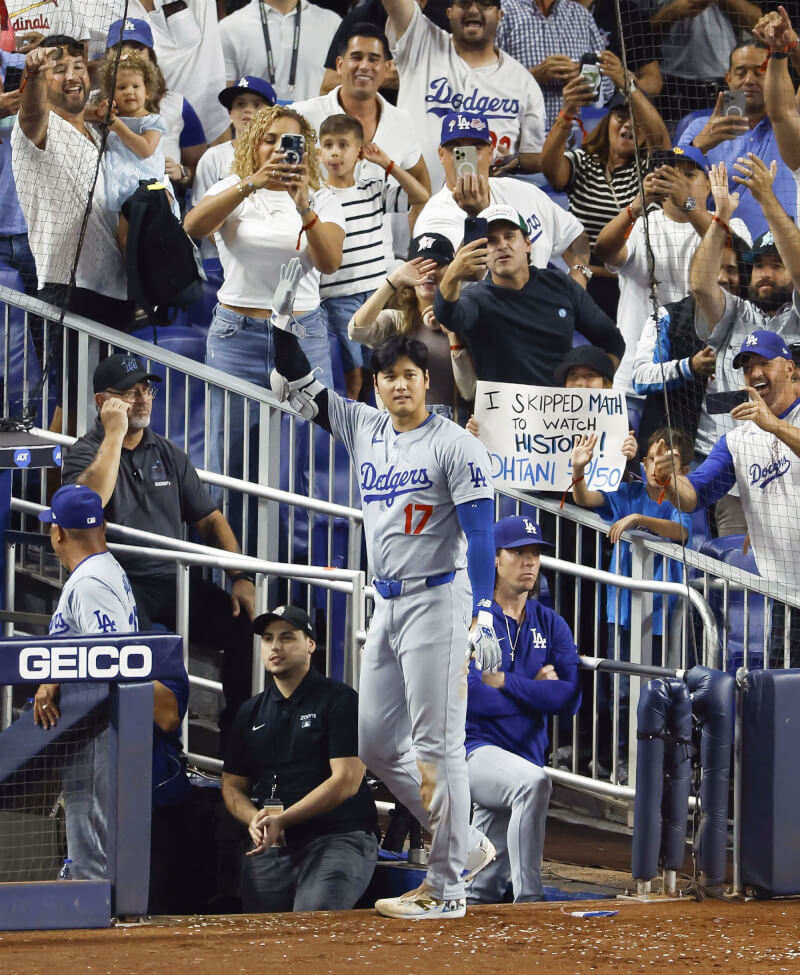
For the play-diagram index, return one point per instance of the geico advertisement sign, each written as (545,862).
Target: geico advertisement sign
(100,662)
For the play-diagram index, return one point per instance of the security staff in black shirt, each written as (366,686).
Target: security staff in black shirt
(519,322)
(292,775)
(146,482)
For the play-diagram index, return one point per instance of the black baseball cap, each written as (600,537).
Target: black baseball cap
(435,247)
(297,618)
(121,372)
(591,356)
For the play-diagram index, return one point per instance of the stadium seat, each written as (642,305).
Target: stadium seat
(685,122)
(186,341)
(729,550)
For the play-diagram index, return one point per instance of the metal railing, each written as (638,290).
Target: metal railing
(316,483)
(185,554)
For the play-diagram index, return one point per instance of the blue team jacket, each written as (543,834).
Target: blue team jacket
(515,717)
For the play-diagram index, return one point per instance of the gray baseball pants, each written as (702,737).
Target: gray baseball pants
(510,797)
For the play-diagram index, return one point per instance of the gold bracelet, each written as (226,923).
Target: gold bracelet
(249,186)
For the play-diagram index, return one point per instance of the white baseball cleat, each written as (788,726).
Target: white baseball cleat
(479,856)
(416,905)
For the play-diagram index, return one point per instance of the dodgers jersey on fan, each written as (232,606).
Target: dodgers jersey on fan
(96,598)
(768,475)
(410,484)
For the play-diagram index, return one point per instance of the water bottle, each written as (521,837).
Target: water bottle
(65,873)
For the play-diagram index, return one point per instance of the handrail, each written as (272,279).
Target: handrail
(693,558)
(193,553)
(245,487)
(143,348)
(710,633)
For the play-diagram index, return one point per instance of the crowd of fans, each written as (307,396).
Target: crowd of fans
(452,176)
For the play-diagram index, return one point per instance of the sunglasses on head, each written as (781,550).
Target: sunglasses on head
(74,50)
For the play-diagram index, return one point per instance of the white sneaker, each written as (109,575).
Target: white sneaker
(479,857)
(416,905)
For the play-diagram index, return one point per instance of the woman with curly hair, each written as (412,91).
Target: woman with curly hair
(267,212)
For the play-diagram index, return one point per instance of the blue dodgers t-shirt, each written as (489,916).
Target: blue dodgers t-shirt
(632,498)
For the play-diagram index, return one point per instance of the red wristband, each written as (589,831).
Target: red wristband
(390,167)
(721,222)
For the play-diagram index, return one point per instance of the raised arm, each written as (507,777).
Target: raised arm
(361,327)
(707,260)
(754,174)
(101,475)
(399,13)
(582,453)
(34,109)
(555,166)
(779,100)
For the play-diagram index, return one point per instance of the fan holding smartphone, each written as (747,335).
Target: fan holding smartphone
(271,209)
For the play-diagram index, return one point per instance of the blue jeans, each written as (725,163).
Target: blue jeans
(338,311)
(15,253)
(243,347)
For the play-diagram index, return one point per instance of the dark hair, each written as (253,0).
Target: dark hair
(341,125)
(674,437)
(398,347)
(365,29)
(741,47)
(61,40)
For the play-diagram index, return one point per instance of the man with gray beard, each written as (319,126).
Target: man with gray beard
(146,482)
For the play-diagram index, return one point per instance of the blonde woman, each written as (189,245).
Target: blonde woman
(267,212)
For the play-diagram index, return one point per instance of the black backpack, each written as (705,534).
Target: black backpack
(163,263)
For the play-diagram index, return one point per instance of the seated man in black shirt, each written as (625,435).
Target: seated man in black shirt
(518,322)
(146,482)
(293,776)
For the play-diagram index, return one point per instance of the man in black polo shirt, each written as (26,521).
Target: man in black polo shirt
(148,483)
(295,746)
(518,323)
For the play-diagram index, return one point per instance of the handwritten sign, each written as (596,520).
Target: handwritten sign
(529,432)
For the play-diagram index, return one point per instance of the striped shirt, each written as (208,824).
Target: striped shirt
(529,36)
(363,264)
(594,197)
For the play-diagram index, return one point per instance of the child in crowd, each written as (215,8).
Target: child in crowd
(135,129)
(635,504)
(363,268)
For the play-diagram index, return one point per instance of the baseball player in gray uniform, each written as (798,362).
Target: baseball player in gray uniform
(96,599)
(428,517)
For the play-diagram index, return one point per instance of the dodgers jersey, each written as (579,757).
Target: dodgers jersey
(436,80)
(410,484)
(768,475)
(96,598)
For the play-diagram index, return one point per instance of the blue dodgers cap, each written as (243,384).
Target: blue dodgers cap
(75,506)
(769,345)
(248,84)
(516,531)
(689,154)
(463,125)
(130,30)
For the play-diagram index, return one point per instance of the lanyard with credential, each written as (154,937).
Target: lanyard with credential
(268,44)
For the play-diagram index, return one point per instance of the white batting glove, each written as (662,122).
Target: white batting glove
(283,299)
(482,643)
